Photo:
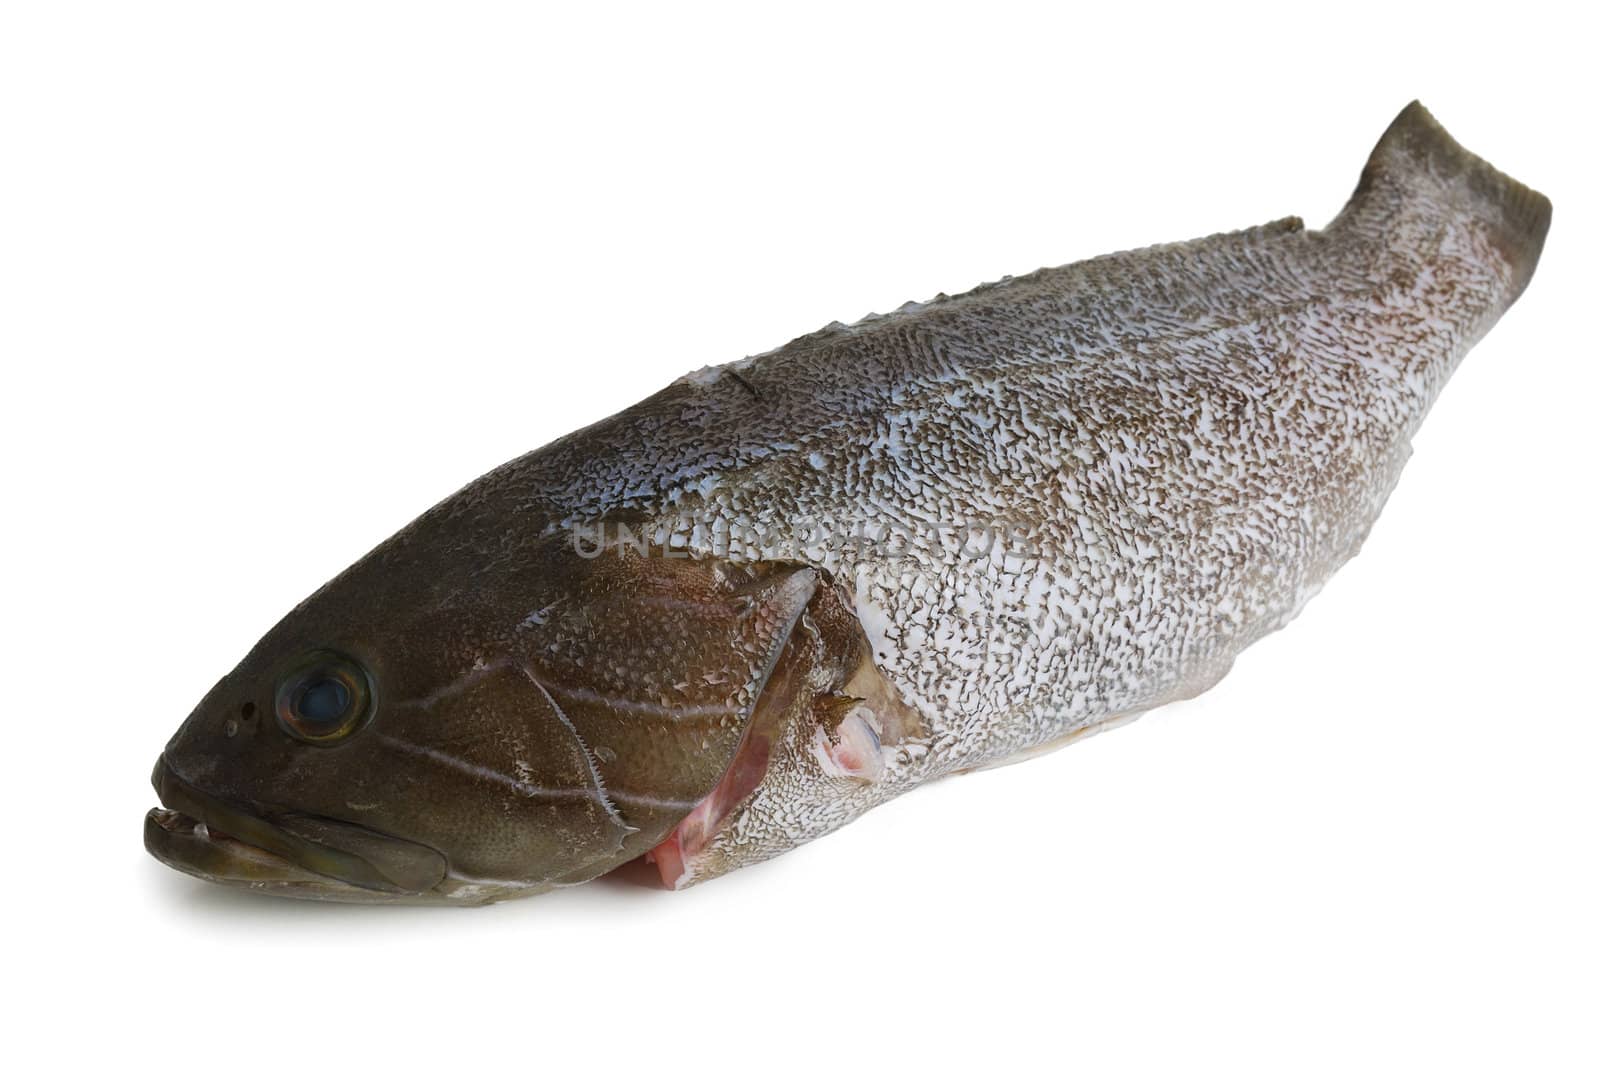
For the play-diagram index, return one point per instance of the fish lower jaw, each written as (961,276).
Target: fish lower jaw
(289,854)
(191,846)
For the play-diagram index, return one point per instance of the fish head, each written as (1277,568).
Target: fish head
(463,716)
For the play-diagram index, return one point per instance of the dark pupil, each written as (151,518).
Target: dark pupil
(324,700)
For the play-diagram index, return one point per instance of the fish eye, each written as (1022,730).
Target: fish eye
(325,699)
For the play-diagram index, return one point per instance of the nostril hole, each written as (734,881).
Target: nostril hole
(247,711)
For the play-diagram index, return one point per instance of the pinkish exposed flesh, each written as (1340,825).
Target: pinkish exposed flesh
(674,856)
(857,753)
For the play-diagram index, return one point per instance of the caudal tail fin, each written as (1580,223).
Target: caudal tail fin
(1419,174)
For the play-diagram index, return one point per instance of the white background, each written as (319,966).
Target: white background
(249,253)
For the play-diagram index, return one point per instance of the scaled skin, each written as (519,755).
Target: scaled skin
(1164,453)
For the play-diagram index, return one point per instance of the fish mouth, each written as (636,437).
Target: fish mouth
(291,854)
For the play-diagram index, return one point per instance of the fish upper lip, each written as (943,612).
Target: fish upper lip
(316,847)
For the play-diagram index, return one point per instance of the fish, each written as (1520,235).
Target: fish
(779,592)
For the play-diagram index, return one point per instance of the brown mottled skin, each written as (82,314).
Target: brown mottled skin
(1177,446)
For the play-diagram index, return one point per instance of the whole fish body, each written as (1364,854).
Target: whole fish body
(739,614)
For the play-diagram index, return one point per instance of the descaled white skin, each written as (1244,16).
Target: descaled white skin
(1170,450)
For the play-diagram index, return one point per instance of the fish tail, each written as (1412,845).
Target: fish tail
(1419,174)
